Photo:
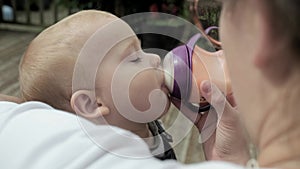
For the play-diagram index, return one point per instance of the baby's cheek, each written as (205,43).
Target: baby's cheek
(140,89)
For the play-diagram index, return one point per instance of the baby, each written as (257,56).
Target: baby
(47,69)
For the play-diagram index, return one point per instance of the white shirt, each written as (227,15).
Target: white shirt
(34,135)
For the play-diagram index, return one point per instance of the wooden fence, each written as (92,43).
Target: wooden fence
(26,16)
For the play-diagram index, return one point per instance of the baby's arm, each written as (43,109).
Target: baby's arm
(10,98)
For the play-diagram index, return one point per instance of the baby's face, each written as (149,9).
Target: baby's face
(131,83)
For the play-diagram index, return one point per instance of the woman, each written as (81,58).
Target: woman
(266,76)
(261,42)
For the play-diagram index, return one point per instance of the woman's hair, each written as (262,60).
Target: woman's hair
(284,16)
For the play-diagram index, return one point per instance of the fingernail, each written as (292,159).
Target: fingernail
(206,86)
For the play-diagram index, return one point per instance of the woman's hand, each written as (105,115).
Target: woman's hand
(220,128)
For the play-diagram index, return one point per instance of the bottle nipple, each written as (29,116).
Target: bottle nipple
(168,67)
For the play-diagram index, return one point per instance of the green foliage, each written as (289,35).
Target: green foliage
(122,7)
(209,12)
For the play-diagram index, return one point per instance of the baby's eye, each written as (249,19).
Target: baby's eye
(136,60)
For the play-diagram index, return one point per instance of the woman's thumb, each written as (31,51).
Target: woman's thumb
(214,96)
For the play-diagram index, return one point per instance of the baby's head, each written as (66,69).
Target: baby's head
(46,71)
(47,65)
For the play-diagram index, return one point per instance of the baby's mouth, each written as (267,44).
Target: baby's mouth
(161,77)
(165,89)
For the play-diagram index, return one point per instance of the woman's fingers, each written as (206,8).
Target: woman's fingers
(222,105)
(214,96)
(231,100)
(194,117)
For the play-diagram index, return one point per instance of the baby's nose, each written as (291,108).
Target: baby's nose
(155,60)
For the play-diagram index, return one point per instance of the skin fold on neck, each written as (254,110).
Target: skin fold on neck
(279,145)
(143,131)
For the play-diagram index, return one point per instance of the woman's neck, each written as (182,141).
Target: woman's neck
(279,144)
(281,149)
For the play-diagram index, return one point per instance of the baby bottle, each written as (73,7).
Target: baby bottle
(186,66)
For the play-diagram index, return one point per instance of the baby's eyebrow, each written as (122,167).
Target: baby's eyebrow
(134,42)
(139,41)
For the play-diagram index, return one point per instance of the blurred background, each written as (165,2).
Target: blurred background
(22,20)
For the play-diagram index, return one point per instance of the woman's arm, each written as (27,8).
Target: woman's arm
(10,98)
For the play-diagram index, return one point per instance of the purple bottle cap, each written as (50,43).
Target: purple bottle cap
(178,64)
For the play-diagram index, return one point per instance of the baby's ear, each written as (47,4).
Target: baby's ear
(85,104)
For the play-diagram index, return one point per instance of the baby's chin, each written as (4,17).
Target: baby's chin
(164,113)
(165,101)
(166,105)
